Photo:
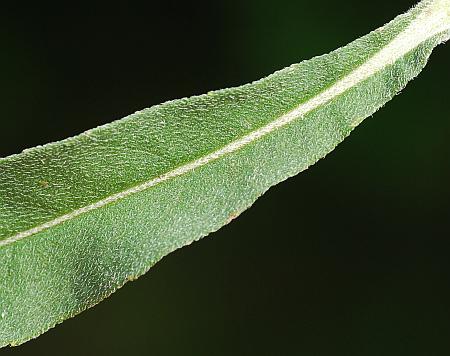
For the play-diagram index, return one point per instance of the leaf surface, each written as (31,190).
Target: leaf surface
(80,217)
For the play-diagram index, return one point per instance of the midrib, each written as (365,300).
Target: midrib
(434,19)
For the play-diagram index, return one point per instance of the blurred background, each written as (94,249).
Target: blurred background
(347,258)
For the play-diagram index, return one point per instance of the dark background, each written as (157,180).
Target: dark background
(348,258)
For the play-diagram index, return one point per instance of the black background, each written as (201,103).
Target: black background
(347,258)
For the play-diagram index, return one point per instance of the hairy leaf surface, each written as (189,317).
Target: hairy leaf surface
(80,217)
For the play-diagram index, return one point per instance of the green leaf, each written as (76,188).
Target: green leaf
(80,217)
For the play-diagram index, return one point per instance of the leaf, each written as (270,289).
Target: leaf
(81,217)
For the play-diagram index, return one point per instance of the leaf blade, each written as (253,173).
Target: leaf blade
(85,258)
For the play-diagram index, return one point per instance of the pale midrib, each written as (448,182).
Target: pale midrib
(426,25)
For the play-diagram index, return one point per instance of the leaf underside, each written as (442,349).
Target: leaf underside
(80,217)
